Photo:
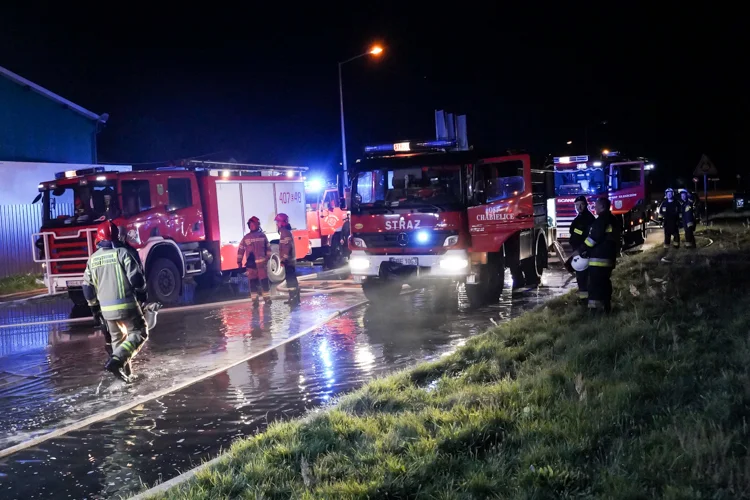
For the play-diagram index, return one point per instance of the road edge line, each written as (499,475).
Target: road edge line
(164,392)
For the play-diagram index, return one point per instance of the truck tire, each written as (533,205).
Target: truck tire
(490,287)
(533,267)
(379,290)
(275,269)
(76,296)
(164,282)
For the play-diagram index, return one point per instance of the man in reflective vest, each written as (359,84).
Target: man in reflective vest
(114,287)
(669,213)
(579,230)
(601,247)
(688,218)
(288,256)
(256,247)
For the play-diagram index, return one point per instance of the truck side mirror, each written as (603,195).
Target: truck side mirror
(38,197)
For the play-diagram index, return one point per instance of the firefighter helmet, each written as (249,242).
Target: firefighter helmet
(282,218)
(579,263)
(253,220)
(669,190)
(106,231)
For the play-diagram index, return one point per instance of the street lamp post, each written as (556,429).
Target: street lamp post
(375,50)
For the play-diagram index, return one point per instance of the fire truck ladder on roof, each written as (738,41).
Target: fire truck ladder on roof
(266,170)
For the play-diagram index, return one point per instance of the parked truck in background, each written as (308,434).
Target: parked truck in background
(622,181)
(184,222)
(327,223)
(422,213)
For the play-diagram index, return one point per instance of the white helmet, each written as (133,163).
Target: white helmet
(579,263)
(150,312)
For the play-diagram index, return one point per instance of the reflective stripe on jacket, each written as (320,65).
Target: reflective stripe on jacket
(111,279)
(255,246)
(287,252)
(579,228)
(604,240)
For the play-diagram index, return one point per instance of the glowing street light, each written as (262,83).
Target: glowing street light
(375,50)
(605,152)
(569,143)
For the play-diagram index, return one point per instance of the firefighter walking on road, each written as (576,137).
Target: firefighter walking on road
(257,249)
(114,287)
(669,212)
(579,231)
(288,256)
(688,218)
(601,247)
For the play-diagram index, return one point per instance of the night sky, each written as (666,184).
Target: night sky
(260,84)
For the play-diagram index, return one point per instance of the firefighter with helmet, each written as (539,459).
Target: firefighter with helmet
(288,256)
(601,247)
(257,249)
(687,213)
(669,212)
(579,231)
(115,288)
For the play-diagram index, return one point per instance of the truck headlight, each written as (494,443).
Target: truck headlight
(450,241)
(453,263)
(359,263)
(359,243)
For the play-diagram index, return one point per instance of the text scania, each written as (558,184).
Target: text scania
(392,225)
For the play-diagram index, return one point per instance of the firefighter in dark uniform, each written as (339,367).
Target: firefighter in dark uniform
(579,230)
(688,218)
(669,212)
(114,287)
(288,256)
(601,247)
(256,247)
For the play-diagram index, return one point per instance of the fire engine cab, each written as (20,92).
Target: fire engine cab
(425,213)
(184,221)
(622,181)
(327,223)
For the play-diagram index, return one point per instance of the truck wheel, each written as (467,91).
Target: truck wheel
(381,290)
(533,267)
(276,271)
(76,296)
(490,287)
(164,281)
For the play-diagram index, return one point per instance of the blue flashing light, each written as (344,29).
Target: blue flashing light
(69,174)
(423,237)
(406,146)
(563,160)
(314,185)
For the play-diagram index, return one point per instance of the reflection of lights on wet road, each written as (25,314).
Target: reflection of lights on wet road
(364,357)
(325,355)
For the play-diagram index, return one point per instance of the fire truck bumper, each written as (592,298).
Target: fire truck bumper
(451,264)
(56,283)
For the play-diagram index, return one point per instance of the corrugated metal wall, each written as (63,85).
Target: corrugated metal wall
(17,224)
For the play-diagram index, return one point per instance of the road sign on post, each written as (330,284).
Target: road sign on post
(705,168)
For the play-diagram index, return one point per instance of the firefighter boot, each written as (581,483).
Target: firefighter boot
(266,300)
(117,368)
(256,301)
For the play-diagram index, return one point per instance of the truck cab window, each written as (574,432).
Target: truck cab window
(626,176)
(180,194)
(503,180)
(136,197)
(331,201)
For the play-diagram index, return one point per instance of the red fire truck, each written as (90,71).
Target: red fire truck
(327,223)
(184,222)
(423,213)
(622,181)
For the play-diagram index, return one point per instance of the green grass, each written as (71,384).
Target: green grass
(650,402)
(19,283)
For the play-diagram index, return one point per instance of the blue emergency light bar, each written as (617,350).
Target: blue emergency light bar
(564,160)
(69,174)
(407,146)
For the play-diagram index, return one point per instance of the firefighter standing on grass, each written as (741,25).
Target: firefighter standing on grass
(579,230)
(688,218)
(669,212)
(114,287)
(601,247)
(288,256)
(257,249)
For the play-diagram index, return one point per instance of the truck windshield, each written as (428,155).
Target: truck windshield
(76,205)
(586,181)
(411,187)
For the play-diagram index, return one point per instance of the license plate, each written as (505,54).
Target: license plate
(74,283)
(405,261)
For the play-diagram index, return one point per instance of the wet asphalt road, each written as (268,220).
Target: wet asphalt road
(51,375)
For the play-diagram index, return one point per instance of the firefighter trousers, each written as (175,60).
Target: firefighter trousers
(291,277)
(126,336)
(690,236)
(582,277)
(671,230)
(600,288)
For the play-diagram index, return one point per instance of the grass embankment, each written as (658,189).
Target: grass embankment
(19,283)
(651,401)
